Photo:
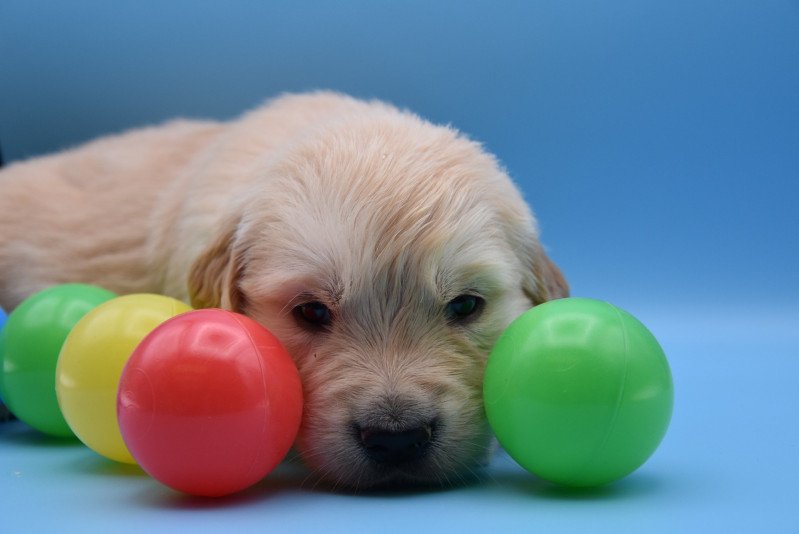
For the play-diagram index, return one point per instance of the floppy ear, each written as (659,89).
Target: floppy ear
(214,276)
(548,282)
(550,278)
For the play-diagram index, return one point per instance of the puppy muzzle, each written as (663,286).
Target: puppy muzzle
(395,430)
(395,447)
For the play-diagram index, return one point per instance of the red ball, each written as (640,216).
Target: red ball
(209,402)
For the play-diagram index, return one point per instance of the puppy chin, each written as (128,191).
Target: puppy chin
(334,448)
(346,467)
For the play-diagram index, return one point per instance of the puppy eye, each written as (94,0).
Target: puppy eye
(314,314)
(464,308)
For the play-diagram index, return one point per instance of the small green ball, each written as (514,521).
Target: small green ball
(578,392)
(30,343)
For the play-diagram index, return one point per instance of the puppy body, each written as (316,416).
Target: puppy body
(379,225)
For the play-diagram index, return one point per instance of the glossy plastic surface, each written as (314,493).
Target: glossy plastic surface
(29,347)
(91,363)
(578,392)
(3,317)
(210,403)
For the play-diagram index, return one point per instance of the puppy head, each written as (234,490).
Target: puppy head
(387,255)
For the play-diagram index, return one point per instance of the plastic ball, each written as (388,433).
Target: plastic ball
(578,392)
(209,403)
(91,363)
(29,347)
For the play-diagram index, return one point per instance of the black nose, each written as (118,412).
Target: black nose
(395,447)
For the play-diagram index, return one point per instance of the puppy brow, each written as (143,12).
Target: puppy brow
(480,280)
(325,296)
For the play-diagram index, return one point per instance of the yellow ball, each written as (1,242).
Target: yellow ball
(91,362)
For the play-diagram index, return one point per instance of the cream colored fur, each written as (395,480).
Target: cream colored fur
(377,214)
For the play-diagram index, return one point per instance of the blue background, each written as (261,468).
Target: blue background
(658,143)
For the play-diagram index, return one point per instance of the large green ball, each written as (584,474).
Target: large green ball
(578,392)
(29,346)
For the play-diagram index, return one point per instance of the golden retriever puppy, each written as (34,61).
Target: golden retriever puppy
(386,253)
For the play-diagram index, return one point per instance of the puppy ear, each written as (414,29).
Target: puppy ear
(551,278)
(214,275)
(548,282)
